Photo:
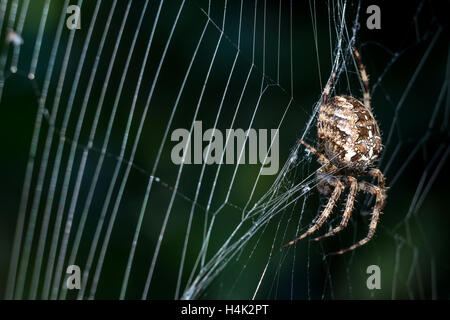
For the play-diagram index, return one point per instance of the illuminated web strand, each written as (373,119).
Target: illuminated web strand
(169,209)
(101,220)
(191,214)
(207,236)
(408,88)
(57,164)
(4,52)
(31,158)
(67,176)
(38,42)
(82,167)
(135,145)
(46,219)
(43,169)
(3,5)
(19,29)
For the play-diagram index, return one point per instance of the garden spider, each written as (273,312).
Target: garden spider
(349,143)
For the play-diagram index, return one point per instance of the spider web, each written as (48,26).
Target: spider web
(87,117)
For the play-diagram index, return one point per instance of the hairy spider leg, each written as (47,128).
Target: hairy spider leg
(364,79)
(338,186)
(376,173)
(327,90)
(347,211)
(320,157)
(380,197)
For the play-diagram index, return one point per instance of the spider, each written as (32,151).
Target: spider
(349,143)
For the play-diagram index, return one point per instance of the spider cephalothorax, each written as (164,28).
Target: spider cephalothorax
(349,143)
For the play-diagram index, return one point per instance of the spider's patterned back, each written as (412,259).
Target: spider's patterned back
(348,134)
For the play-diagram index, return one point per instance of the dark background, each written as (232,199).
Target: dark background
(411,252)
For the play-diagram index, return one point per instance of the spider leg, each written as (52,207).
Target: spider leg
(327,90)
(376,173)
(347,212)
(380,197)
(320,157)
(364,79)
(338,186)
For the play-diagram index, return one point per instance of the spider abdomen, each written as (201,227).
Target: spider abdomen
(348,133)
